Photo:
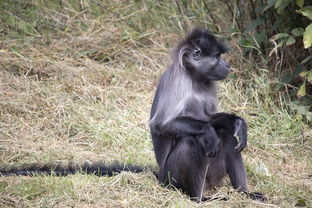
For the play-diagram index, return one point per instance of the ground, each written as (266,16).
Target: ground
(82,91)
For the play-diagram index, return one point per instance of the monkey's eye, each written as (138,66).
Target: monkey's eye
(196,54)
(218,55)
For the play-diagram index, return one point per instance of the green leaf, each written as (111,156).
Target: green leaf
(307,36)
(254,24)
(280,35)
(270,4)
(302,91)
(300,3)
(287,78)
(303,74)
(300,108)
(279,21)
(280,44)
(298,31)
(298,69)
(310,77)
(259,9)
(278,3)
(290,41)
(306,59)
(281,5)
(307,12)
(260,37)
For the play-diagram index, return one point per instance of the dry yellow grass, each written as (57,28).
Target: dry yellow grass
(83,91)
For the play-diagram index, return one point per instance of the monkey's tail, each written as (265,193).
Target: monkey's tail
(63,169)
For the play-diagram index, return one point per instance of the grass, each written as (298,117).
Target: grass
(77,82)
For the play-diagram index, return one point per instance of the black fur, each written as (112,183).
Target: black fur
(206,42)
(61,169)
(188,133)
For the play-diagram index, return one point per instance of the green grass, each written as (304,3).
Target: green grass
(78,85)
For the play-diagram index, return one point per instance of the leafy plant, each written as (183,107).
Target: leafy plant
(280,33)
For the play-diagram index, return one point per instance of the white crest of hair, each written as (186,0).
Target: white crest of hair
(176,89)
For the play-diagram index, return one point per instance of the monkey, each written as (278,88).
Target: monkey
(194,144)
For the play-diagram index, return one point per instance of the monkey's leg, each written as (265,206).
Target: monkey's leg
(235,167)
(234,162)
(185,167)
(236,170)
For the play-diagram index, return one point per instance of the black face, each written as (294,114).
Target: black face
(203,59)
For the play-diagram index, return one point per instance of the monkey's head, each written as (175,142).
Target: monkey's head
(201,56)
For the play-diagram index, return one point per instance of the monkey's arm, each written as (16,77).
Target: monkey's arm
(200,129)
(233,123)
(182,126)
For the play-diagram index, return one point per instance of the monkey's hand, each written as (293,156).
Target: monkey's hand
(211,143)
(240,133)
(234,125)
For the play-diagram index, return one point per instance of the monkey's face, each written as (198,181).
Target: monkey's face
(203,57)
(207,67)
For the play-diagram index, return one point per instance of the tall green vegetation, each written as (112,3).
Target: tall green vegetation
(274,34)
(278,33)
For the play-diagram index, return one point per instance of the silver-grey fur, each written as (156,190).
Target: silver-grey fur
(179,91)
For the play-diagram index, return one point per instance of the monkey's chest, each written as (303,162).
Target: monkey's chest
(201,106)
